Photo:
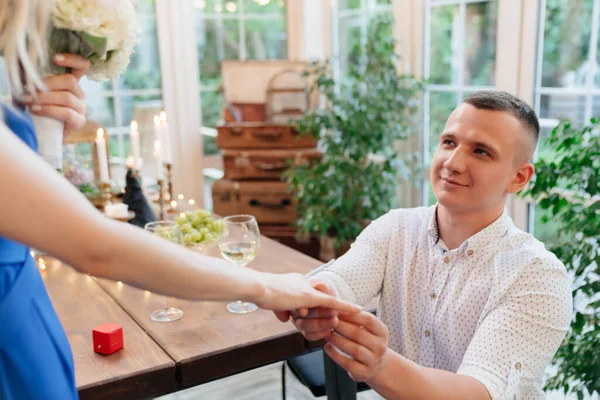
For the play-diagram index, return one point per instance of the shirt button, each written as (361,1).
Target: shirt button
(427,333)
(470,252)
(433,296)
(446,260)
(518,366)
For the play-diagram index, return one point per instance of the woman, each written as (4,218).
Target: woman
(39,208)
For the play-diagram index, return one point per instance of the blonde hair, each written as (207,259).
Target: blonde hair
(23,42)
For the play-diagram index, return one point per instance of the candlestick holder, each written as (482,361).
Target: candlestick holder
(170,180)
(106,193)
(161,199)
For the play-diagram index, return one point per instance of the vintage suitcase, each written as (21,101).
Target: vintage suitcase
(286,234)
(261,135)
(264,164)
(269,201)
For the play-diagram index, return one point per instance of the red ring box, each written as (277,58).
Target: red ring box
(107,338)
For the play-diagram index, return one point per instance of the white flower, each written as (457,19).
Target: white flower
(114,20)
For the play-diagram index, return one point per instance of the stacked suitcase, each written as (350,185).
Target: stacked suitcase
(258,144)
(255,154)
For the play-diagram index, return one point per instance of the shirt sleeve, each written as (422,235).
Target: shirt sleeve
(358,274)
(516,341)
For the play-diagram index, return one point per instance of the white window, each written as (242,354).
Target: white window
(459,58)
(233,30)
(352,19)
(135,95)
(567,78)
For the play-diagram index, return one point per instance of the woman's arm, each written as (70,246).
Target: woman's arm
(38,207)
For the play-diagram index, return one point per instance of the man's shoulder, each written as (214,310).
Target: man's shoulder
(532,252)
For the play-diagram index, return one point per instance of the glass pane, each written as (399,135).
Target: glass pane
(137,108)
(349,4)
(384,2)
(480,48)
(566,42)
(264,7)
(444,57)
(350,36)
(217,40)
(266,39)
(441,105)
(212,108)
(431,200)
(144,70)
(545,228)
(114,146)
(564,106)
(545,150)
(91,87)
(101,110)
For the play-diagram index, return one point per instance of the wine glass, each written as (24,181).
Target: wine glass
(167,230)
(240,245)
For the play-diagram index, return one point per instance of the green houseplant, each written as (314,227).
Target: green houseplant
(568,189)
(363,117)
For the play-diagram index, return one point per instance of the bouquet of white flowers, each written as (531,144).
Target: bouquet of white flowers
(103,31)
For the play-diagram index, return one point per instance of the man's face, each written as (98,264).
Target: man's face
(476,163)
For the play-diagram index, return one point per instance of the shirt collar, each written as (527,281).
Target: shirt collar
(489,234)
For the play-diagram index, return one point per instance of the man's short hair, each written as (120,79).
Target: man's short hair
(502,101)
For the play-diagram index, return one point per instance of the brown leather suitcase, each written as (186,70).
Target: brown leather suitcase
(286,234)
(261,135)
(264,164)
(269,201)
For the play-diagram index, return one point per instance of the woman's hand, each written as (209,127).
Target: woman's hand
(64,99)
(285,292)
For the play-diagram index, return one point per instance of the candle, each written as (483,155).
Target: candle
(135,144)
(102,159)
(166,138)
(159,161)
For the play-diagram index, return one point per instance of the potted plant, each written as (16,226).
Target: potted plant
(362,119)
(568,189)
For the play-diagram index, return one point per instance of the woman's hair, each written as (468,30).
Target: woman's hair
(23,42)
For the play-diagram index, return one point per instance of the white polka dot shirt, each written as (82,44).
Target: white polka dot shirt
(496,308)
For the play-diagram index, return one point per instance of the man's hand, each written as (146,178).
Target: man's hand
(364,340)
(64,99)
(315,323)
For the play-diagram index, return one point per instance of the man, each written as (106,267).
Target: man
(471,307)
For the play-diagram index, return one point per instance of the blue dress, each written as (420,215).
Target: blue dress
(35,356)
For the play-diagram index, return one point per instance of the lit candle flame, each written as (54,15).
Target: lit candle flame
(100,133)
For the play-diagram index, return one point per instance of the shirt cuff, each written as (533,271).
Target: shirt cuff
(494,385)
(342,289)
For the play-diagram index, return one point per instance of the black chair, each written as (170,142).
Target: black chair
(310,371)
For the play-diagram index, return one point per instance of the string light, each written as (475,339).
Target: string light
(231,7)
(182,215)
(180,196)
(174,204)
(191,202)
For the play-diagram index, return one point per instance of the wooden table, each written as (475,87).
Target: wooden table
(209,342)
(142,369)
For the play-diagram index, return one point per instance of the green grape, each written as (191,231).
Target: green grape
(188,239)
(197,237)
(181,220)
(204,231)
(186,228)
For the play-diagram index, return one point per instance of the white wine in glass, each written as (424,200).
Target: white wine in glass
(240,246)
(167,230)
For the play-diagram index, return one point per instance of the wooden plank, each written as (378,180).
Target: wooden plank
(209,342)
(140,370)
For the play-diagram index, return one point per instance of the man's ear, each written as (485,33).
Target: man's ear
(524,174)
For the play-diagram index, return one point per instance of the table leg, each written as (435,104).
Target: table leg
(337,382)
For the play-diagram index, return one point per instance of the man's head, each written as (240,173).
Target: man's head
(484,152)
